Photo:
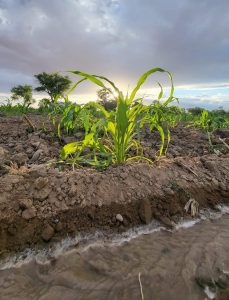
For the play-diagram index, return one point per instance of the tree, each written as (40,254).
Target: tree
(195,110)
(105,100)
(24,93)
(53,84)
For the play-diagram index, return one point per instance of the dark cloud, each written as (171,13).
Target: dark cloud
(120,39)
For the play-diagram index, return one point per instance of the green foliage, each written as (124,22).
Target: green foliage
(204,121)
(195,111)
(175,115)
(72,116)
(210,121)
(53,84)
(68,118)
(159,116)
(220,118)
(18,109)
(23,93)
(119,126)
(44,104)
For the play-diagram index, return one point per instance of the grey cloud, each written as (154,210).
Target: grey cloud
(120,39)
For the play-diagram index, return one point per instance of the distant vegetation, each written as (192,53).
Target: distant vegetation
(23,93)
(106,99)
(111,126)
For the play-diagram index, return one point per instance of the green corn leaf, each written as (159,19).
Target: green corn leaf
(143,78)
(162,134)
(92,78)
(110,82)
(111,128)
(75,85)
(161,91)
(119,126)
(70,149)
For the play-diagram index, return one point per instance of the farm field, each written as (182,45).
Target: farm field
(44,199)
(77,175)
(82,217)
(114,150)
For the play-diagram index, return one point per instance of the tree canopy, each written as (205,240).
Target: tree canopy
(104,99)
(24,93)
(53,84)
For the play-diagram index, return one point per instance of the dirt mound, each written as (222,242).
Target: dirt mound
(26,147)
(185,141)
(41,203)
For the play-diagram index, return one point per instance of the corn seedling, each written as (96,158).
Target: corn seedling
(159,117)
(77,117)
(18,109)
(69,117)
(118,126)
(205,122)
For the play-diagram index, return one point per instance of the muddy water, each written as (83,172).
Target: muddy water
(176,264)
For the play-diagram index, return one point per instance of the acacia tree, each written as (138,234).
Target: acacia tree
(53,84)
(24,93)
(104,99)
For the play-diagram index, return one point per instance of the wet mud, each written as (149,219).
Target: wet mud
(186,263)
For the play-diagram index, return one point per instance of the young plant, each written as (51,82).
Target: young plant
(17,109)
(118,126)
(69,117)
(205,122)
(160,117)
(77,117)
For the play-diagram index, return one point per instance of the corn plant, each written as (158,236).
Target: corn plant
(69,117)
(77,117)
(118,126)
(173,116)
(219,120)
(56,109)
(205,122)
(160,117)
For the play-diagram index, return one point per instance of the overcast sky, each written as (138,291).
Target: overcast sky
(120,39)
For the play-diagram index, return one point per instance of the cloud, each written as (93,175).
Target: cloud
(120,39)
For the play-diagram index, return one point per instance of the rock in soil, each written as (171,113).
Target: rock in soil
(36,155)
(119,218)
(47,233)
(25,203)
(29,213)
(41,182)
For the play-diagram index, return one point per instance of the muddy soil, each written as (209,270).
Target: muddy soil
(189,264)
(41,203)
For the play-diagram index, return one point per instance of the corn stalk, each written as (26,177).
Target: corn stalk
(119,126)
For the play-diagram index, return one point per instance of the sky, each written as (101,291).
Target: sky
(120,39)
